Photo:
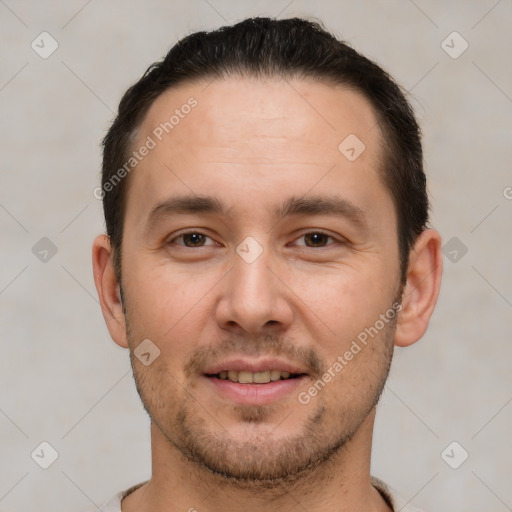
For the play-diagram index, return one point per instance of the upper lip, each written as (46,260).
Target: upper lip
(247,365)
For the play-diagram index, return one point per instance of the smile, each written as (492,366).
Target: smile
(245,377)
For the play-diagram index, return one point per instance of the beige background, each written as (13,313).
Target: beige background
(65,382)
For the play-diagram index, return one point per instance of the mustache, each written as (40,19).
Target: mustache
(267,345)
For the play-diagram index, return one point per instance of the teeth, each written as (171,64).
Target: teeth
(261,377)
(245,377)
(275,375)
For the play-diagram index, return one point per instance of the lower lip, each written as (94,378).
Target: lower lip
(255,394)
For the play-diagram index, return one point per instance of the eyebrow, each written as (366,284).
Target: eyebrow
(294,206)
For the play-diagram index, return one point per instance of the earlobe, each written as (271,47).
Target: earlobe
(421,289)
(108,289)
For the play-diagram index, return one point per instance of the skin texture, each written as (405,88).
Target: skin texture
(254,144)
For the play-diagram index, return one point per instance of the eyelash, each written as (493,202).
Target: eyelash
(316,232)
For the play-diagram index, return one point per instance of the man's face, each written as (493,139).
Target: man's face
(283,278)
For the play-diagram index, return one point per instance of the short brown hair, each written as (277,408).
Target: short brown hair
(278,48)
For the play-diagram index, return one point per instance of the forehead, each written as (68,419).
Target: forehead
(272,108)
(254,134)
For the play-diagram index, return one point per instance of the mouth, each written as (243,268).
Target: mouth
(247,377)
(247,382)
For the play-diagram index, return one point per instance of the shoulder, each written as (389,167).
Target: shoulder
(114,504)
(396,501)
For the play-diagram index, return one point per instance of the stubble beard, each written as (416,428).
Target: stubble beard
(264,462)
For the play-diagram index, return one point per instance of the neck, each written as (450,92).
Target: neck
(340,484)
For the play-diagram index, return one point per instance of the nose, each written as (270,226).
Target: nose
(255,299)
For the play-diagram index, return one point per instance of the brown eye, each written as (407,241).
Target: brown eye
(195,239)
(316,239)
(192,239)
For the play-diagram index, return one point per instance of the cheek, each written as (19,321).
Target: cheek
(166,303)
(342,302)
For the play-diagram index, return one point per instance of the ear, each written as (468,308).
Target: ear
(421,289)
(108,289)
